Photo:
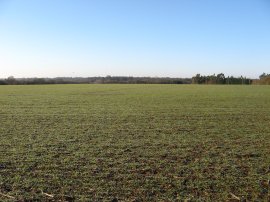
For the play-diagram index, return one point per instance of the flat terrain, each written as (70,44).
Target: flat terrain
(134,143)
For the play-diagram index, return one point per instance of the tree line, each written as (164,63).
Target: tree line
(197,79)
(220,79)
(264,79)
(94,80)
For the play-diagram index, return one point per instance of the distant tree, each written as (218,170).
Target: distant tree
(264,79)
(11,80)
(2,82)
(262,75)
(221,78)
(196,79)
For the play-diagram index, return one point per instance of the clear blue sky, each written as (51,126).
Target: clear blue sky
(175,38)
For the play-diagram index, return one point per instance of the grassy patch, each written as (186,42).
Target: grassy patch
(134,142)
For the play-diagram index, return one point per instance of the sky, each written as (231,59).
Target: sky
(158,38)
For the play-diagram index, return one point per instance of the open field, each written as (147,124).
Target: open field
(135,143)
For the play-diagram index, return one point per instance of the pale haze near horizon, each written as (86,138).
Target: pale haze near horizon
(134,38)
